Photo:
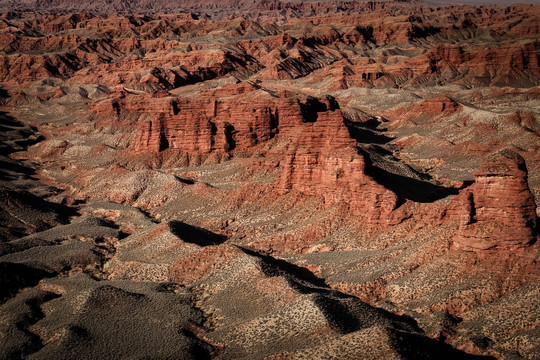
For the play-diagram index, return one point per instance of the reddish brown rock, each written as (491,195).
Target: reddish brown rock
(197,126)
(322,160)
(131,106)
(498,211)
(437,107)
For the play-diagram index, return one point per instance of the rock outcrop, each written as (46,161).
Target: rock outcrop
(322,160)
(217,121)
(497,212)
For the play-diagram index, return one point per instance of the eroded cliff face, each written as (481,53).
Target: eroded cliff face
(208,125)
(303,187)
(497,212)
(216,121)
(322,159)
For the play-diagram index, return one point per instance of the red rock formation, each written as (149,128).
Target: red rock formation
(431,107)
(296,186)
(498,211)
(222,9)
(66,47)
(322,160)
(196,126)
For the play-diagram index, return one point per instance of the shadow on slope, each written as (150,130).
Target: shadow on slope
(195,235)
(21,211)
(14,277)
(365,132)
(14,135)
(406,182)
(406,187)
(347,314)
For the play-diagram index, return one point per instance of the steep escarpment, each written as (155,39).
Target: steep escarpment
(210,123)
(322,160)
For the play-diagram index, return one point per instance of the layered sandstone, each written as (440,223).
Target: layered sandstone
(322,160)
(497,211)
(215,122)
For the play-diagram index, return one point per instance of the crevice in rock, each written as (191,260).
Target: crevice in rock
(310,109)
(230,137)
(274,122)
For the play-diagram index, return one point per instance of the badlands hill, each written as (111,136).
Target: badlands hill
(210,8)
(311,180)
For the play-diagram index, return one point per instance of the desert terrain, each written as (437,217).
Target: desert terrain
(269,180)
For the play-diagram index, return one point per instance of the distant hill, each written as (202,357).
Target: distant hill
(211,8)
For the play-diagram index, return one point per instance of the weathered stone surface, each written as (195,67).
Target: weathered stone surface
(497,211)
(322,160)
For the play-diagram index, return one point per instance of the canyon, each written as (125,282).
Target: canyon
(270,180)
